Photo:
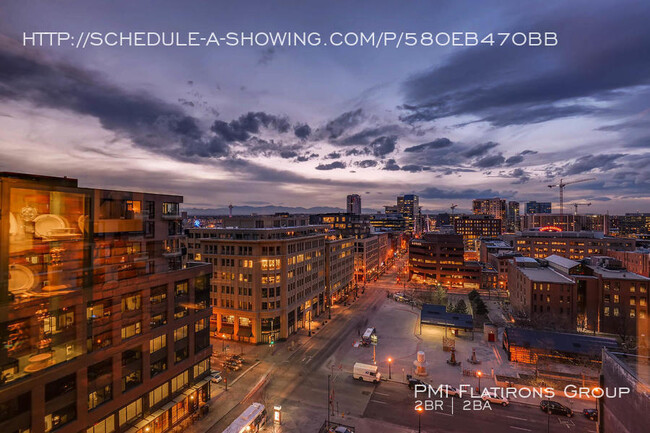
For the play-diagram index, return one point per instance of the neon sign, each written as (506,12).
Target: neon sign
(550,229)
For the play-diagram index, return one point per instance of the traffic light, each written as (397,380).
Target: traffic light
(271,341)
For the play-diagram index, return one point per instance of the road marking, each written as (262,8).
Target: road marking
(381,393)
(442,413)
(516,417)
(520,428)
(377,401)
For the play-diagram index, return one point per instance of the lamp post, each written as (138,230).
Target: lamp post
(223,343)
(419,411)
(390,361)
(479,374)
(310,313)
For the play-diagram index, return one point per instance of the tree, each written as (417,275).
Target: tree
(461,307)
(473,295)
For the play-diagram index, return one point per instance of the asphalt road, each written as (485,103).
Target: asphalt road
(298,381)
(460,415)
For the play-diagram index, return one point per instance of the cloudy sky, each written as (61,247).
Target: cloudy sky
(304,126)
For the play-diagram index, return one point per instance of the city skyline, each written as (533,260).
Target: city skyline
(305,126)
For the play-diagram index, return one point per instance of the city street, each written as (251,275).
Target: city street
(297,379)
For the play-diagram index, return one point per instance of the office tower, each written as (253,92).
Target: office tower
(534,207)
(495,207)
(354,204)
(512,216)
(408,206)
(97,333)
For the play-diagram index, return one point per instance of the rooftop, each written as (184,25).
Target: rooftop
(432,314)
(638,366)
(561,342)
(545,275)
(618,274)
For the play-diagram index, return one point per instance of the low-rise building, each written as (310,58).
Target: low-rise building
(637,261)
(572,245)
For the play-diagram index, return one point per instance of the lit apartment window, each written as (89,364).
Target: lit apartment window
(158,343)
(180,333)
(131,330)
(130,411)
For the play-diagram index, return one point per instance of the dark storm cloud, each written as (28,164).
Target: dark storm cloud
(302,131)
(469,193)
(480,149)
(343,123)
(514,160)
(367,135)
(287,154)
(435,144)
(307,157)
(391,165)
(602,49)
(382,146)
(149,122)
(413,168)
(366,163)
(331,165)
(241,129)
(521,175)
(356,152)
(588,163)
(333,155)
(490,161)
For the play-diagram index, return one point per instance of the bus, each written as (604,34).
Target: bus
(251,420)
(370,336)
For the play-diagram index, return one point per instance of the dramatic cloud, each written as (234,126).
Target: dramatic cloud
(515,159)
(331,166)
(366,163)
(343,123)
(469,193)
(391,165)
(382,146)
(333,155)
(479,149)
(302,131)
(435,144)
(490,161)
(523,86)
(250,123)
(593,162)
(149,122)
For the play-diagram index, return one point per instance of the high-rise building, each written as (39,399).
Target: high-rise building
(268,282)
(512,216)
(354,204)
(495,207)
(408,206)
(534,207)
(95,326)
(473,227)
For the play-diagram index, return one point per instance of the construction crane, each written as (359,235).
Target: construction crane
(562,185)
(453,206)
(575,206)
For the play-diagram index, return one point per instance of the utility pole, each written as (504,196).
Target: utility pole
(329,400)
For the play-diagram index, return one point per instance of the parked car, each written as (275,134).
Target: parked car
(592,414)
(237,359)
(232,365)
(412,381)
(451,391)
(553,407)
(216,377)
(493,397)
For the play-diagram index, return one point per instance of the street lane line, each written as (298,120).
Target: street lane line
(381,393)
(520,428)
(516,417)
(442,413)
(378,401)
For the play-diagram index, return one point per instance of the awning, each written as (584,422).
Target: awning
(245,331)
(180,398)
(227,329)
(201,383)
(168,406)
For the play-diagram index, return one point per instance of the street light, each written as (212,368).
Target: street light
(419,411)
(479,374)
(390,361)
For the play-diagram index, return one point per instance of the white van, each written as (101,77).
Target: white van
(366,372)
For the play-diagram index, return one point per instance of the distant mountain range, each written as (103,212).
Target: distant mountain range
(267,210)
